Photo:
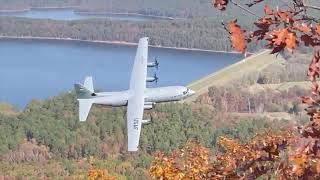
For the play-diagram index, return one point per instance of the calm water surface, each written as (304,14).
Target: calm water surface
(68,15)
(40,69)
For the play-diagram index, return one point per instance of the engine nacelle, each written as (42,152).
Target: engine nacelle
(151,79)
(145,121)
(148,106)
(152,64)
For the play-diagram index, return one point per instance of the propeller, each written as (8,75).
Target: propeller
(155,78)
(156,62)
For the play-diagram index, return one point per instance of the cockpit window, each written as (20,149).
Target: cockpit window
(185,92)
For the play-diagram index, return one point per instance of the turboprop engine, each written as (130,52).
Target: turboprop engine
(152,79)
(154,64)
(148,105)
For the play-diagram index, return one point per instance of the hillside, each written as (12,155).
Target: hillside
(47,140)
(252,66)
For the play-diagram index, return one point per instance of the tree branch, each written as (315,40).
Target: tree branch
(306,5)
(312,7)
(243,8)
(287,4)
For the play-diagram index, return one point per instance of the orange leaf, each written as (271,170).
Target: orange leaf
(318,29)
(299,164)
(291,41)
(318,167)
(237,37)
(285,16)
(268,10)
(220,4)
(281,36)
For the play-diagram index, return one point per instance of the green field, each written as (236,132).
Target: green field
(252,64)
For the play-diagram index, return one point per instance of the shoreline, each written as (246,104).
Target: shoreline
(14,11)
(123,43)
(76,10)
(54,8)
(36,8)
(123,14)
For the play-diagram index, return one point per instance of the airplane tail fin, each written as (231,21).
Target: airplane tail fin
(88,83)
(85,94)
(86,90)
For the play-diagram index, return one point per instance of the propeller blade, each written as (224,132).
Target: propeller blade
(157,63)
(156,78)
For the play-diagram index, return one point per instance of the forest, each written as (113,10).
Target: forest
(46,140)
(171,8)
(204,34)
(196,31)
(210,139)
(47,133)
(294,152)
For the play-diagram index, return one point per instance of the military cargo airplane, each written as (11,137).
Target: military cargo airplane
(137,98)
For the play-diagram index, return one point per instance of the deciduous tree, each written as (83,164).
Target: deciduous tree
(285,155)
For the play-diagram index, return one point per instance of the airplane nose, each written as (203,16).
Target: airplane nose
(191,92)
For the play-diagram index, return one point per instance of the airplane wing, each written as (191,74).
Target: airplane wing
(136,100)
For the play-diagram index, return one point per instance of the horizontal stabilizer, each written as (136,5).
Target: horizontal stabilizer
(84,108)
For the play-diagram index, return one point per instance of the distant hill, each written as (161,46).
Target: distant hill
(172,8)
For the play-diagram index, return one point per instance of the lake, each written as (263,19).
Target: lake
(69,14)
(39,69)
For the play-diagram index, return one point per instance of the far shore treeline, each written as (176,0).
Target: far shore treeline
(204,34)
(168,8)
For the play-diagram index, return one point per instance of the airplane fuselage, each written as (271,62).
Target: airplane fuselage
(152,95)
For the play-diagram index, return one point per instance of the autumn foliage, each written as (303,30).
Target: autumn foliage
(189,162)
(281,28)
(99,174)
(221,4)
(293,154)
(237,38)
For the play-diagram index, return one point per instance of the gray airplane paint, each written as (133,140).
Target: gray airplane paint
(120,98)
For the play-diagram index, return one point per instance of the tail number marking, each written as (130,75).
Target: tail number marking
(136,124)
